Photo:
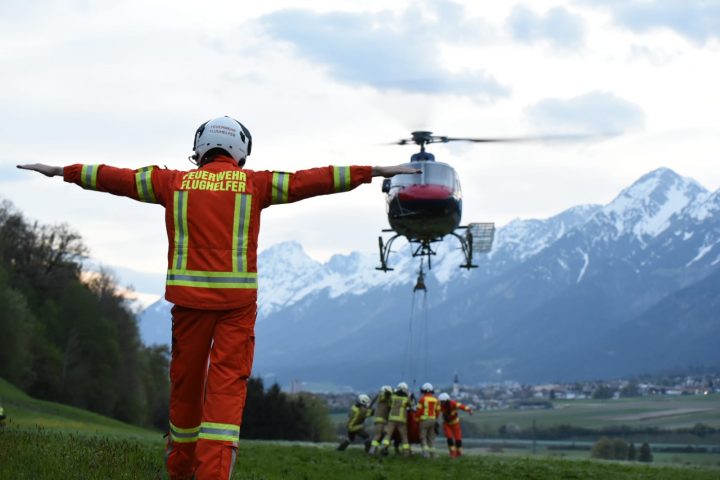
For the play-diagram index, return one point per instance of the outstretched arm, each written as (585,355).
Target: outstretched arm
(47,170)
(137,184)
(288,187)
(388,172)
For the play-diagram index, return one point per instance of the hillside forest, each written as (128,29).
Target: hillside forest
(68,335)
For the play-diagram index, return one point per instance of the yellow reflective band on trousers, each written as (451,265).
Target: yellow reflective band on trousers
(184,435)
(180,204)
(88,176)
(280,187)
(195,278)
(143,183)
(223,432)
(341,179)
(241,226)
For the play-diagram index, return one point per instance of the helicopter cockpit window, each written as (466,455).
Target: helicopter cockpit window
(434,173)
(408,179)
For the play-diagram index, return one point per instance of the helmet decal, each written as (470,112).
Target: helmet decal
(224,133)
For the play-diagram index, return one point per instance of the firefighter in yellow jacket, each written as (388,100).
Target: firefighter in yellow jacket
(380,418)
(427,413)
(356,423)
(397,419)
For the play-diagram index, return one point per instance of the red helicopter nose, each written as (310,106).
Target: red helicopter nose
(424,192)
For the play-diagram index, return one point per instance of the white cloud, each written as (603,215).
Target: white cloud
(388,51)
(594,112)
(697,20)
(563,29)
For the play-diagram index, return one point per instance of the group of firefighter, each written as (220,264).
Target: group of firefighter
(399,419)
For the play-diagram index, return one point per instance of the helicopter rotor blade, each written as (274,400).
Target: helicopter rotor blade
(537,138)
(426,138)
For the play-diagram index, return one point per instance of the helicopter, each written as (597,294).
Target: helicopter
(426,207)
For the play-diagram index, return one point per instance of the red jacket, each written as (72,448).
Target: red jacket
(428,407)
(212,218)
(450,411)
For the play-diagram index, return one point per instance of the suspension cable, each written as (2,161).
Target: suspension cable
(415,363)
(408,356)
(426,346)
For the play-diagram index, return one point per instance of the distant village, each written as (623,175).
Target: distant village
(514,395)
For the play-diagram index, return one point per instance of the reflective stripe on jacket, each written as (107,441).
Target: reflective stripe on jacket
(398,408)
(382,409)
(212,219)
(356,418)
(428,407)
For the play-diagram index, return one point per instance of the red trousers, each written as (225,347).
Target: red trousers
(212,355)
(453,432)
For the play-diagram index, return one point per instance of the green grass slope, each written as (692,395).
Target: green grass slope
(24,412)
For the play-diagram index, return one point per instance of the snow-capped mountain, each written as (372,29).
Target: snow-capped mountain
(522,239)
(551,300)
(645,208)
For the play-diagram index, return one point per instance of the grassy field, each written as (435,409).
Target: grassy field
(44,440)
(581,451)
(44,454)
(661,411)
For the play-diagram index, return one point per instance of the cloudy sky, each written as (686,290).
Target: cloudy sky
(320,82)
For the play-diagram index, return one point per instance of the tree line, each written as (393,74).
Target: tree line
(271,414)
(618,449)
(69,336)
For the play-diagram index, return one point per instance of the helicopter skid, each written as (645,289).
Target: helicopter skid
(475,238)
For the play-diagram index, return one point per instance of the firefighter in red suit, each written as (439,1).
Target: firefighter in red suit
(212,219)
(451,423)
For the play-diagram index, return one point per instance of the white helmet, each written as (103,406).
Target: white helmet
(443,397)
(401,387)
(386,388)
(225,133)
(363,400)
(427,388)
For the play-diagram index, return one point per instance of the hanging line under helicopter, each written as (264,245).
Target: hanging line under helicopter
(416,358)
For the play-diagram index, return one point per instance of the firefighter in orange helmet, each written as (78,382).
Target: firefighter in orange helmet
(451,423)
(212,220)
(427,412)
